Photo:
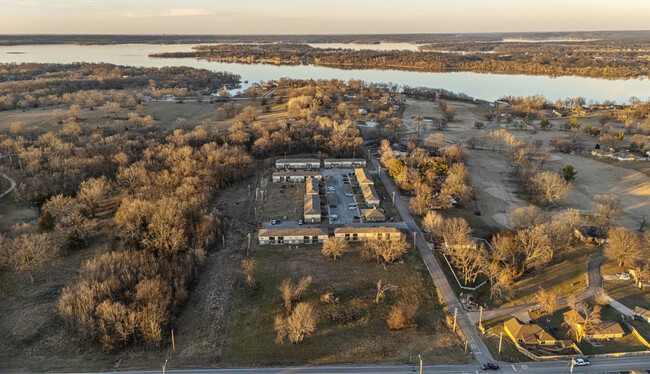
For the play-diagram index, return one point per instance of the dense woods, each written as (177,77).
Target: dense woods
(558,59)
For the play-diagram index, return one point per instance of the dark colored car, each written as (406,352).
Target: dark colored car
(490,366)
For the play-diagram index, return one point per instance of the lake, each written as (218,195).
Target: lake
(483,86)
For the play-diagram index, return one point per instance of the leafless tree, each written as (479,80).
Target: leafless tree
(526,217)
(549,187)
(606,210)
(291,292)
(334,247)
(248,266)
(547,300)
(382,289)
(299,324)
(402,316)
(623,246)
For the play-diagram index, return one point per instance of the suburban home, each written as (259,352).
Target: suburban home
(642,313)
(347,163)
(604,330)
(312,208)
(363,177)
(374,215)
(370,194)
(601,153)
(297,163)
(439,201)
(588,235)
(528,333)
(622,156)
(367,233)
(311,186)
(295,176)
(303,235)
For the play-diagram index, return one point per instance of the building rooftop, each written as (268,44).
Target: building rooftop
(366,230)
(312,204)
(362,176)
(373,213)
(642,312)
(369,192)
(297,160)
(302,231)
(305,173)
(311,186)
(528,333)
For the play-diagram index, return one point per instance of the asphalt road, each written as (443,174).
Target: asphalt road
(475,344)
(546,367)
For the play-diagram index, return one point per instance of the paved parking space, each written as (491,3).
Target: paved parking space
(336,178)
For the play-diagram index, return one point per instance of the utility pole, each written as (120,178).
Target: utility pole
(420,357)
(393,197)
(455,314)
(173,345)
(164,366)
(480,318)
(249,243)
(465,346)
(500,341)
(414,234)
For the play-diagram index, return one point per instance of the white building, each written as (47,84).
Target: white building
(345,163)
(303,235)
(312,208)
(295,176)
(297,163)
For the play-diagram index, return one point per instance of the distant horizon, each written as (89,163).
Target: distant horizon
(335,17)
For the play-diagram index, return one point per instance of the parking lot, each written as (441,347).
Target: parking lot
(336,178)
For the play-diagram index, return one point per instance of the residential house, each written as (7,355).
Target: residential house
(370,195)
(528,333)
(363,177)
(303,235)
(374,215)
(622,156)
(345,163)
(588,235)
(312,210)
(297,163)
(311,186)
(295,176)
(439,201)
(367,233)
(604,330)
(642,313)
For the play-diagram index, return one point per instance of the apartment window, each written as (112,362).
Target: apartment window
(272,240)
(280,239)
(314,239)
(355,236)
(305,239)
(387,236)
(347,236)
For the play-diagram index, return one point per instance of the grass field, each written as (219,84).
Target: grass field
(353,331)
(624,290)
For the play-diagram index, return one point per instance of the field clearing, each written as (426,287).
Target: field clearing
(459,130)
(283,199)
(353,331)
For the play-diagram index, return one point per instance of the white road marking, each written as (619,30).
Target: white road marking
(524,367)
(513,367)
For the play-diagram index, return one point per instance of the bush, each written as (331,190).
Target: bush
(402,316)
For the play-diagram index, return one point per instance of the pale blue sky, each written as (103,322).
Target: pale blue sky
(319,16)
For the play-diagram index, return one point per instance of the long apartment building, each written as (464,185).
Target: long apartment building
(295,176)
(297,163)
(303,235)
(344,163)
(355,234)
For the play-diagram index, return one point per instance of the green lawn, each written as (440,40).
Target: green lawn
(353,331)
(624,290)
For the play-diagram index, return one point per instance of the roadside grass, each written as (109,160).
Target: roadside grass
(509,352)
(352,331)
(642,328)
(624,291)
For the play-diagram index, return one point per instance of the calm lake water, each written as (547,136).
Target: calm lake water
(484,86)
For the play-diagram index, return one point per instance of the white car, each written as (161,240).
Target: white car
(580,362)
(334,216)
(352,207)
(623,276)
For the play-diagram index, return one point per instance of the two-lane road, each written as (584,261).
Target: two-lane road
(475,344)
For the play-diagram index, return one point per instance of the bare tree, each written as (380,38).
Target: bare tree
(402,316)
(547,300)
(29,252)
(248,266)
(606,210)
(334,247)
(433,223)
(549,187)
(526,217)
(623,246)
(382,289)
(93,191)
(291,292)
(535,246)
(299,324)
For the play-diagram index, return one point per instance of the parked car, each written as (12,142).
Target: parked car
(334,216)
(580,362)
(300,222)
(275,221)
(623,276)
(490,366)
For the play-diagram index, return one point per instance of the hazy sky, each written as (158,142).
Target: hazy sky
(318,16)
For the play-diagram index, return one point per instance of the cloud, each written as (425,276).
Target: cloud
(176,12)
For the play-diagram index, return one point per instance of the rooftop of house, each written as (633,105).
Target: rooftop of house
(373,213)
(312,186)
(528,333)
(645,313)
(345,160)
(362,176)
(369,192)
(302,231)
(366,230)
(297,173)
(297,160)
(312,204)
